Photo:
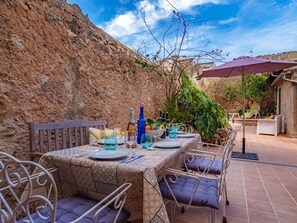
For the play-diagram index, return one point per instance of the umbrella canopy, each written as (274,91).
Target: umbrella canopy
(247,65)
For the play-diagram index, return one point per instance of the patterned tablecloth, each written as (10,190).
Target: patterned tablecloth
(97,178)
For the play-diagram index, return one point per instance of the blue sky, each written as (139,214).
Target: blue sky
(236,27)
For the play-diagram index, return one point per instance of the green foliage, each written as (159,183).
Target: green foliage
(231,92)
(194,107)
(255,86)
(145,64)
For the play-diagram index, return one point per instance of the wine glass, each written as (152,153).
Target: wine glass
(146,140)
(110,143)
(131,139)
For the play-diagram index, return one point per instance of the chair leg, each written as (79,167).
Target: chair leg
(213,215)
(226,195)
(224,219)
(172,211)
(182,210)
(227,201)
(224,203)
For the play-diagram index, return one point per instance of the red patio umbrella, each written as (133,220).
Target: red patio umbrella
(247,65)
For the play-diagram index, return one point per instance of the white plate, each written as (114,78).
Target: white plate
(107,154)
(167,144)
(187,135)
(119,141)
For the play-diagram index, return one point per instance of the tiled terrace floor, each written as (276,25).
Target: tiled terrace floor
(263,191)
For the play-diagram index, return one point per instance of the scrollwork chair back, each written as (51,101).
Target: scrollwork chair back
(15,178)
(26,197)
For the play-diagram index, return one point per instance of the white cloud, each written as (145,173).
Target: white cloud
(123,25)
(227,21)
(131,22)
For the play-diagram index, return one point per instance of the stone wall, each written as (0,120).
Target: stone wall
(291,55)
(55,65)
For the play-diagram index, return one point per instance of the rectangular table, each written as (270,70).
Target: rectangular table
(96,178)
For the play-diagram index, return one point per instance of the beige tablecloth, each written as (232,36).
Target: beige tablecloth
(97,178)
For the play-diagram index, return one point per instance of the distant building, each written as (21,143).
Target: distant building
(189,65)
(285,88)
(286,97)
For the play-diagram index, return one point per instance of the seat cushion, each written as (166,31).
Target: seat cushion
(71,208)
(183,189)
(201,163)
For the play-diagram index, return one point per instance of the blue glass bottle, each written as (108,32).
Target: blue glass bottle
(140,125)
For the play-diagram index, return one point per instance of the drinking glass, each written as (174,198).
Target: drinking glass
(146,140)
(131,139)
(173,131)
(110,143)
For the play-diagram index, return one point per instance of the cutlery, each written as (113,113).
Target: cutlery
(129,160)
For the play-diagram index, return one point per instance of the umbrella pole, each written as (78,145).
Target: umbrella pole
(243,114)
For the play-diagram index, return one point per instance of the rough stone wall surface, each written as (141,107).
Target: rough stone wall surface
(55,65)
(288,107)
(291,55)
(294,111)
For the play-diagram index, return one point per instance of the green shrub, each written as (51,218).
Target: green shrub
(194,107)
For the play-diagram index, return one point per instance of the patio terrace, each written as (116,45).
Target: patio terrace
(263,191)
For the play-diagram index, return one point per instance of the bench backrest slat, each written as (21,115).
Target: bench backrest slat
(76,136)
(56,136)
(49,140)
(57,139)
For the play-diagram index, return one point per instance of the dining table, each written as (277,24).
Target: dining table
(78,173)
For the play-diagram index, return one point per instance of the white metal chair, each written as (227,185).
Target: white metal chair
(206,162)
(188,190)
(40,202)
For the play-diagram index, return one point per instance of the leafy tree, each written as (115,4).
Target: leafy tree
(255,86)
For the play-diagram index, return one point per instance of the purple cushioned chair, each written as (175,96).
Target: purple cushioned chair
(212,166)
(209,162)
(44,207)
(185,190)
(71,208)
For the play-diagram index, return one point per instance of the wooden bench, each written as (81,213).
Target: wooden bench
(45,137)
